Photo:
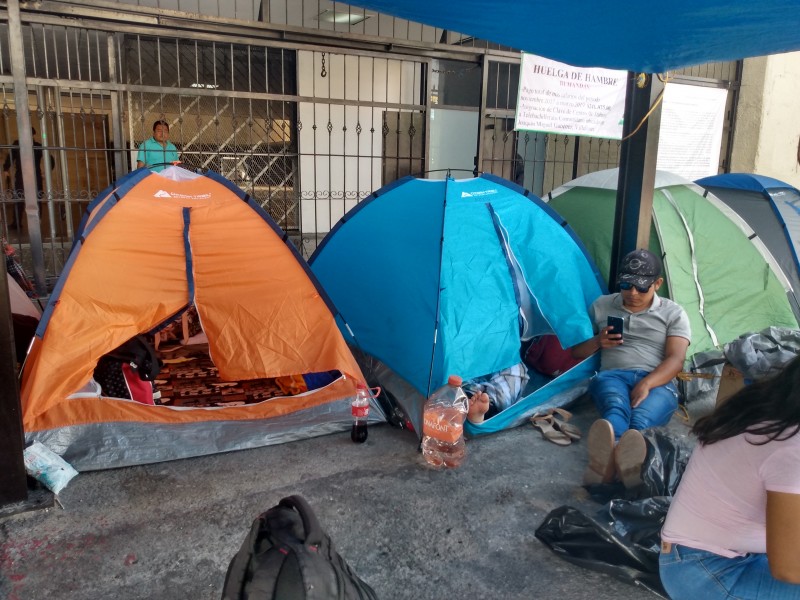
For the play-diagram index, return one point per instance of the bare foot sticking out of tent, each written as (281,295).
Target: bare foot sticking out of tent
(478,407)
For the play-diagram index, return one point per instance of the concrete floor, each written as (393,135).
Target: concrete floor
(168,530)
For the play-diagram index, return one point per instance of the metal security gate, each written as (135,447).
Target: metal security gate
(70,133)
(230,108)
(307,133)
(361,124)
(71,101)
(308,130)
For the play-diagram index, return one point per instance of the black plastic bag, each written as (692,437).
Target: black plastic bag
(661,471)
(665,463)
(624,538)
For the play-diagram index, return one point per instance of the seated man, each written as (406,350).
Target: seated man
(634,388)
(493,393)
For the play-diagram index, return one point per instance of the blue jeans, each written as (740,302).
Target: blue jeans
(695,574)
(611,392)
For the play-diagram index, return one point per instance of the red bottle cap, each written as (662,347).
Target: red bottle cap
(454,380)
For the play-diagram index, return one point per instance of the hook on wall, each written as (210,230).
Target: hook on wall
(323,73)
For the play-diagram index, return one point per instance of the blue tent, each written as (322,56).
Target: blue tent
(772,209)
(439,277)
(644,36)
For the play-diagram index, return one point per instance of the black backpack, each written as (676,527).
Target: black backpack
(136,352)
(287,556)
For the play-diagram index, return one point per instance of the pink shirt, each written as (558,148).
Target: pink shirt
(721,502)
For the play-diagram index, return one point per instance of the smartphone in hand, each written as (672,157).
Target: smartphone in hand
(615,323)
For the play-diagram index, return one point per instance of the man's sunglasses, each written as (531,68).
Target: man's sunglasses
(627,286)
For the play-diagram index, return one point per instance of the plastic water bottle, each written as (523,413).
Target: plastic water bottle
(359,407)
(443,425)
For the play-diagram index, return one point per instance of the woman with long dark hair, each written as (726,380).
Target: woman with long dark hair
(733,527)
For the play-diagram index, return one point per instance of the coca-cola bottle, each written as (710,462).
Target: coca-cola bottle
(359,407)
(443,425)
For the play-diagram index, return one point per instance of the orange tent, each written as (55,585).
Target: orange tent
(154,245)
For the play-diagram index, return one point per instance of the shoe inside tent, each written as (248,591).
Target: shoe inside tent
(440,277)
(149,249)
(714,266)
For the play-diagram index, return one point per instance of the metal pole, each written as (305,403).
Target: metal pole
(25,137)
(482,115)
(637,169)
(62,154)
(116,110)
(735,88)
(13,481)
(47,192)
(576,156)
(428,68)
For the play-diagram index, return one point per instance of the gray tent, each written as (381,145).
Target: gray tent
(772,208)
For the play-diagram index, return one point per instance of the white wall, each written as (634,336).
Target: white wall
(767,123)
(780,130)
(339,168)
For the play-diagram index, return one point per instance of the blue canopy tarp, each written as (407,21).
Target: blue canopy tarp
(643,36)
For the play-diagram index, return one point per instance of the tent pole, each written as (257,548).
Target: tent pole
(27,157)
(438,295)
(637,169)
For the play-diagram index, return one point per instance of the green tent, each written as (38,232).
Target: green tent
(727,281)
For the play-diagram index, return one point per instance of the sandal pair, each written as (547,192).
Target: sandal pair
(554,427)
